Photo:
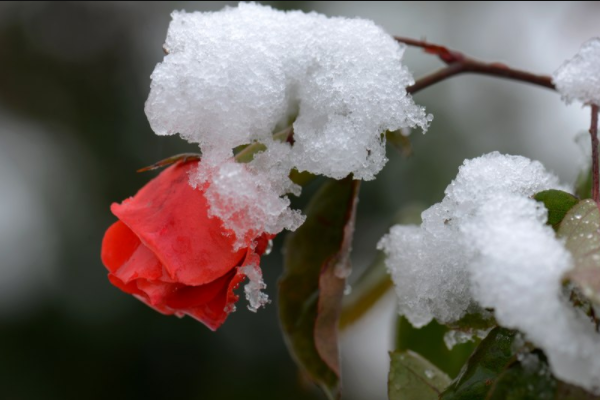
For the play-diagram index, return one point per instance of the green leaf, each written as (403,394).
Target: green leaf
(311,289)
(501,370)
(481,320)
(531,379)
(558,204)
(580,229)
(412,377)
(429,342)
(483,367)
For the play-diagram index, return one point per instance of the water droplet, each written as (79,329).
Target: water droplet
(347,290)
(229,308)
(577,216)
(429,373)
(269,248)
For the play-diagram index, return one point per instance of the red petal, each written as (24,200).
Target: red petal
(142,264)
(171,219)
(118,245)
(126,257)
(213,314)
(206,303)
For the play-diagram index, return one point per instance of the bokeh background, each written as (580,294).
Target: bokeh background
(73,81)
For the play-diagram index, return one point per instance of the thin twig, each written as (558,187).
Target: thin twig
(595,166)
(458,63)
(438,76)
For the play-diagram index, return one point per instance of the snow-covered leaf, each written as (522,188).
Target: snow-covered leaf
(529,378)
(483,367)
(504,366)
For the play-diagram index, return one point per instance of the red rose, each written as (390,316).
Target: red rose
(168,253)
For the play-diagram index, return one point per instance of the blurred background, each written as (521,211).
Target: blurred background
(73,81)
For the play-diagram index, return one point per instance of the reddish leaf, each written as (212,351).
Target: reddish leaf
(311,290)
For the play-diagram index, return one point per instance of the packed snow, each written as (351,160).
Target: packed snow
(579,77)
(486,245)
(429,263)
(233,77)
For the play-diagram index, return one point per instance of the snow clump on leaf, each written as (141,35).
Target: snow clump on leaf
(487,245)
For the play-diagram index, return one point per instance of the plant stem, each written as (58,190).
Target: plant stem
(458,63)
(595,166)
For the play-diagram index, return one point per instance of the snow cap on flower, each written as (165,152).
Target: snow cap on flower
(232,77)
(579,77)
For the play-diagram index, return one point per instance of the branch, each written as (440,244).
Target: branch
(595,170)
(458,63)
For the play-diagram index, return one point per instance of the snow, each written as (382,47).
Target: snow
(519,274)
(579,77)
(429,263)
(487,245)
(232,77)
(254,288)
(454,337)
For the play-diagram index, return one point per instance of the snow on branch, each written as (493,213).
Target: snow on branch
(579,77)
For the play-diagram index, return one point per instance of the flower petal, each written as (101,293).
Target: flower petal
(118,245)
(214,312)
(171,219)
(206,303)
(126,257)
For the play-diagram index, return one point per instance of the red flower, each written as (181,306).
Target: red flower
(168,253)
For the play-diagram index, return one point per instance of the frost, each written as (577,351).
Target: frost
(231,77)
(487,245)
(454,337)
(579,77)
(254,288)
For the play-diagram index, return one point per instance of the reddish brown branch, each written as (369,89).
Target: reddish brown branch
(458,63)
(595,166)
(438,76)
